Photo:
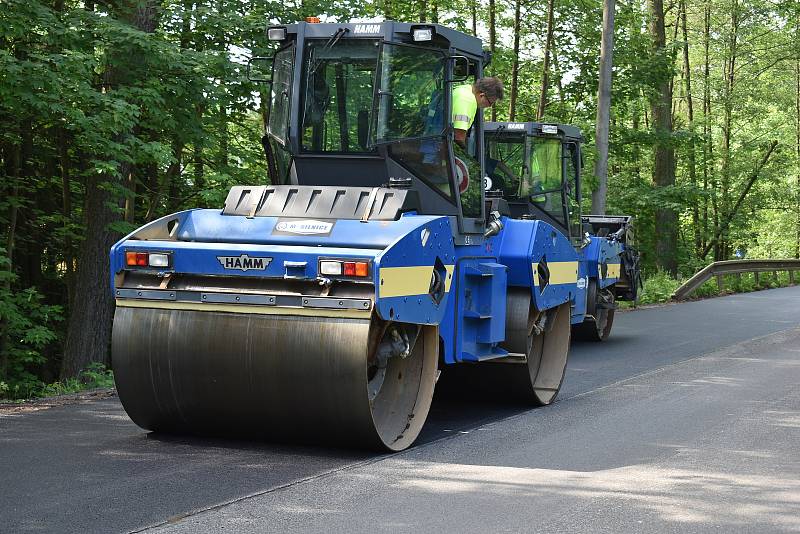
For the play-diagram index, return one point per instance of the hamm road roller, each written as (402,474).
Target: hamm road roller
(533,172)
(322,307)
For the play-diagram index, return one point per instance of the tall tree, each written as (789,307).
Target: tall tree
(603,108)
(687,77)
(666,219)
(797,130)
(89,331)
(729,83)
(493,42)
(512,107)
(548,42)
(708,146)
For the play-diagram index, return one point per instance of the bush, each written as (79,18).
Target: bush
(658,288)
(96,376)
(26,328)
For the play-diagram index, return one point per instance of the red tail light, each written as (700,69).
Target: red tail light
(358,269)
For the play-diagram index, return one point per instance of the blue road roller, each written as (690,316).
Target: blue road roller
(322,307)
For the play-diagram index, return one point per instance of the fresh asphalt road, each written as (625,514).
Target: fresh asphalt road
(687,419)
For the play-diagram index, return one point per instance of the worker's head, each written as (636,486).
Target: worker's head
(488,91)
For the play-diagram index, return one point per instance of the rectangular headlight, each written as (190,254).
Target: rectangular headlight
(330,267)
(276,34)
(423,34)
(159,260)
(549,129)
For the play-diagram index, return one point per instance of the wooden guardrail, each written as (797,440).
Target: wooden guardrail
(721,268)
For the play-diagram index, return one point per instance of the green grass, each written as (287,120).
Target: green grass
(96,376)
(659,287)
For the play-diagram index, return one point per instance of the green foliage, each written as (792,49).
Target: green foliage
(27,327)
(658,288)
(95,377)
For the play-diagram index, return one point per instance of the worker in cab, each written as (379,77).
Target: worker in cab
(467,99)
(545,175)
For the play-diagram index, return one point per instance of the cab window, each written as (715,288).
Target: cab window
(544,185)
(337,95)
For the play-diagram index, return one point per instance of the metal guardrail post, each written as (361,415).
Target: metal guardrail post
(737,267)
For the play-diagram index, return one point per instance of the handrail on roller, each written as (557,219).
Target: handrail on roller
(720,268)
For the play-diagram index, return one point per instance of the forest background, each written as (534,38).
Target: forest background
(115,112)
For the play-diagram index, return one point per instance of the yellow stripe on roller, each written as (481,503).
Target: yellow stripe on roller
(450,269)
(404,281)
(613,270)
(244,308)
(561,272)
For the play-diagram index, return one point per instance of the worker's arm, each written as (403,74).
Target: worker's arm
(460,137)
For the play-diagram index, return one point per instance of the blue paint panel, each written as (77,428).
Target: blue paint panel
(211,226)
(409,251)
(579,302)
(515,250)
(527,242)
(599,252)
(479,324)
(551,246)
(447,328)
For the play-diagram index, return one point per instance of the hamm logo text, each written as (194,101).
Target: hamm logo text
(244,262)
(369,29)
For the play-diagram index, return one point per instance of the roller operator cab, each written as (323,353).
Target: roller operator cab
(322,307)
(533,171)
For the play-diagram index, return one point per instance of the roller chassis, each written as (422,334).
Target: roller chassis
(235,321)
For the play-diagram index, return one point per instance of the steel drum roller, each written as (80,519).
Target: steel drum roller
(271,376)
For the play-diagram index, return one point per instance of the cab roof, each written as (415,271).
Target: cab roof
(388,31)
(533,129)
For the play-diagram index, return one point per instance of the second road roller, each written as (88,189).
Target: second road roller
(321,308)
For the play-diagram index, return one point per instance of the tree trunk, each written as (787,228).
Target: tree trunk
(797,151)
(692,160)
(546,63)
(603,108)
(66,210)
(558,75)
(89,328)
(11,236)
(512,107)
(130,198)
(636,151)
(727,127)
(666,219)
(708,174)
(492,42)
(473,9)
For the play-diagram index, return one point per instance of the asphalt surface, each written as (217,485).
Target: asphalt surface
(687,419)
